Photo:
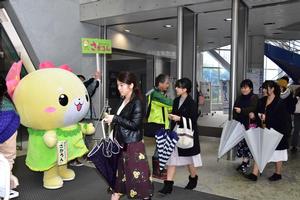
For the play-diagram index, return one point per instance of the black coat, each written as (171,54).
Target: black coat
(128,124)
(188,109)
(247,103)
(276,118)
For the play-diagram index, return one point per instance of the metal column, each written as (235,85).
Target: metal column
(179,41)
(234,61)
(187,41)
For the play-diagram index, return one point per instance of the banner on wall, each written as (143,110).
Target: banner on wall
(205,90)
(257,77)
(95,45)
(225,95)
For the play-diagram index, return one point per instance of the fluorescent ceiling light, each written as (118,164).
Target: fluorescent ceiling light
(168,26)
(127,30)
(227,19)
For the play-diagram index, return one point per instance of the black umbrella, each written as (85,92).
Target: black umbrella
(105,157)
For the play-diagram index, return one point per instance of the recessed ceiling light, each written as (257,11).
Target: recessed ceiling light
(269,23)
(277,33)
(212,29)
(168,26)
(127,30)
(227,19)
(156,38)
(227,36)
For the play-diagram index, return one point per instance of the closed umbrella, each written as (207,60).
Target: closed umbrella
(262,144)
(232,133)
(105,157)
(165,143)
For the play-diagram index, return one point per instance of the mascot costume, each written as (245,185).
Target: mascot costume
(51,101)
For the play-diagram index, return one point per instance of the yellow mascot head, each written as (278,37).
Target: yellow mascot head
(48,98)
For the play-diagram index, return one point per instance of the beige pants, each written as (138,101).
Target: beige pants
(9,149)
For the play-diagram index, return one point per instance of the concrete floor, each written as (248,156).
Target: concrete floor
(221,178)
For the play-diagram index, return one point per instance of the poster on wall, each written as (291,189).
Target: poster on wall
(257,77)
(225,95)
(205,90)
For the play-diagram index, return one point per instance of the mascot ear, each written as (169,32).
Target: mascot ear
(49,64)
(46,64)
(13,77)
(66,67)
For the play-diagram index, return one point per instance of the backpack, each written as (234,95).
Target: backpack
(297,108)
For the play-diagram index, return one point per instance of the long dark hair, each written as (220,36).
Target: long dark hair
(3,88)
(128,78)
(272,84)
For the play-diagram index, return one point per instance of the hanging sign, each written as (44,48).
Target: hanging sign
(95,45)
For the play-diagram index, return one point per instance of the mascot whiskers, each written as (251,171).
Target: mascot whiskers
(51,101)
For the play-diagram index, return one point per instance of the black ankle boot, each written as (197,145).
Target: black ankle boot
(192,183)
(168,187)
(251,177)
(275,177)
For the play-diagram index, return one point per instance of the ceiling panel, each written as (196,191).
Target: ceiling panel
(271,21)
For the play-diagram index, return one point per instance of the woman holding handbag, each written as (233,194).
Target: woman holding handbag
(184,107)
(133,173)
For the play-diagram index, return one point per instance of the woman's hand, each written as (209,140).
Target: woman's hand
(251,115)
(237,109)
(262,116)
(108,118)
(175,118)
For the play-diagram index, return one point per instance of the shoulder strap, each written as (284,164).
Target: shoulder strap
(149,106)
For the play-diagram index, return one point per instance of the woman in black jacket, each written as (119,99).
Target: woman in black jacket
(133,174)
(183,106)
(245,104)
(273,114)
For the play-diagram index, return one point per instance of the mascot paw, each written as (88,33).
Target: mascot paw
(65,173)
(50,138)
(51,179)
(89,129)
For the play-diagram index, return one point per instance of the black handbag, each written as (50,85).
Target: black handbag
(151,128)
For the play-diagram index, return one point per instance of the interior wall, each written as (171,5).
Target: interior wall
(138,67)
(54,30)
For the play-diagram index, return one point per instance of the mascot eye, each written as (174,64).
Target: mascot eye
(87,98)
(63,100)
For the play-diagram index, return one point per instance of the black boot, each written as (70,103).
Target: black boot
(168,187)
(275,177)
(251,177)
(192,183)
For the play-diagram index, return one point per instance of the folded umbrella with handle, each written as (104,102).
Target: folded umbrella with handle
(232,133)
(105,157)
(165,142)
(262,144)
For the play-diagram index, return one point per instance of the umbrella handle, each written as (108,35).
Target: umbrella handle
(103,129)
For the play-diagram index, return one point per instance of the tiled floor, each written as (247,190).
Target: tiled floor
(221,178)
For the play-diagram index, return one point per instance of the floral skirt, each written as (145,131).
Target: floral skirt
(133,174)
(243,150)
